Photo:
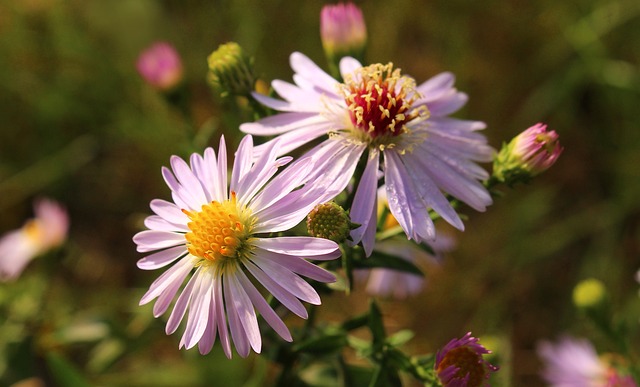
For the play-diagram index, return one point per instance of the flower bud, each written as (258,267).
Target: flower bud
(329,221)
(160,66)
(343,33)
(528,154)
(589,293)
(231,70)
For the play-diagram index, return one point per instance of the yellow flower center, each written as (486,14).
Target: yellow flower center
(219,230)
(468,362)
(379,101)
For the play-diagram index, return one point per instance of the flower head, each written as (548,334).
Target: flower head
(460,363)
(231,70)
(38,235)
(528,154)
(575,362)
(379,113)
(329,220)
(160,66)
(343,32)
(215,234)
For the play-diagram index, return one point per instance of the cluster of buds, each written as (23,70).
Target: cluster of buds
(528,154)
(231,70)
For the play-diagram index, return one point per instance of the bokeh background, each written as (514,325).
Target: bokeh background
(78,124)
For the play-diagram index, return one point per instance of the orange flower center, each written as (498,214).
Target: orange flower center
(219,230)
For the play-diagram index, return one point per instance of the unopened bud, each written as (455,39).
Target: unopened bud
(329,221)
(528,154)
(231,70)
(160,66)
(589,293)
(343,33)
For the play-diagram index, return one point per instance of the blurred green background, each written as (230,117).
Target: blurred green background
(78,124)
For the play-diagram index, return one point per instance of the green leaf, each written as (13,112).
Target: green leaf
(379,259)
(324,344)
(376,326)
(64,372)
(400,337)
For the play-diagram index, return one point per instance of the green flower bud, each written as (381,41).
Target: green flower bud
(329,221)
(231,70)
(589,293)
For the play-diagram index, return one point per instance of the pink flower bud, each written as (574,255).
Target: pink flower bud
(160,66)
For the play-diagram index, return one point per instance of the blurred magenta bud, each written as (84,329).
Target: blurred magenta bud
(343,32)
(528,154)
(160,66)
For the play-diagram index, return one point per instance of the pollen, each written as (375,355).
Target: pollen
(468,363)
(218,231)
(380,101)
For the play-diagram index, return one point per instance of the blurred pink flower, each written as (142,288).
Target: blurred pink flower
(460,363)
(397,284)
(575,362)
(38,235)
(215,234)
(160,66)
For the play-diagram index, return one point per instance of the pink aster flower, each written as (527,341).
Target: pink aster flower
(216,233)
(379,113)
(575,362)
(160,66)
(46,231)
(460,363)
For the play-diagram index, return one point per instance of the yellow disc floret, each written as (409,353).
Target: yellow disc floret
(220,230)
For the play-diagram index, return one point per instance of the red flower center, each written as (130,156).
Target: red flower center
(379,101)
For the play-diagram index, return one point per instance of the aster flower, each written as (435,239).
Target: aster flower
(460,363)
(218,232)
(379,112)
(46,231)
(575,362)
(160,65)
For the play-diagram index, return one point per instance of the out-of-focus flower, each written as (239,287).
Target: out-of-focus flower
(460,363)
(575,362)
(343,32)
(330,221)
(216,229)
(46,231)
(385,282)
(379,112)
(160,65)
(231,70)
(528,154)
(589,293)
